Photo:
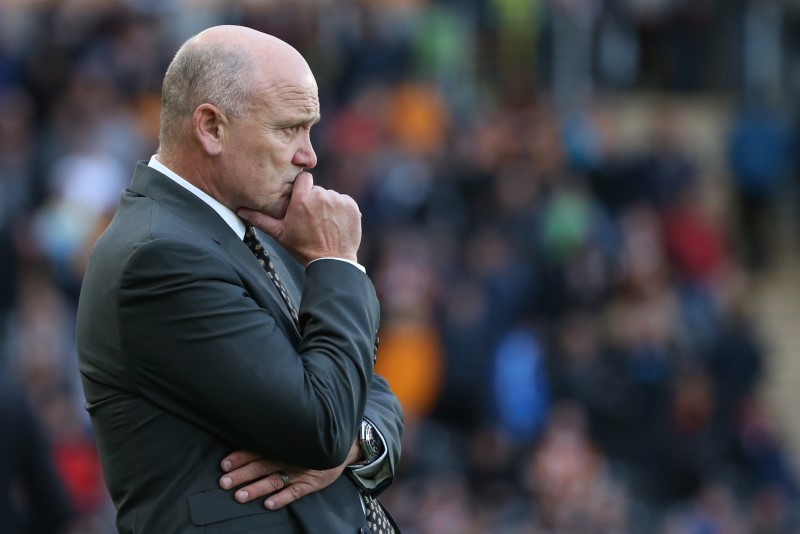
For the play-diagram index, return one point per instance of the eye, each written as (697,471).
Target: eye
(295,128)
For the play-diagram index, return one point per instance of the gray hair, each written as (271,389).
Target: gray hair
(201,74)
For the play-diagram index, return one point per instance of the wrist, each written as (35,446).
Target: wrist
(355,456)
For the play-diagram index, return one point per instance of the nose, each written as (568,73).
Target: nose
(305,155)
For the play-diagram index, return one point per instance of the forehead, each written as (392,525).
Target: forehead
(291,99)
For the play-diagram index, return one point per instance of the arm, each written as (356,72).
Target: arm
(262,476)
(242,467)
(199,346)
(384,411)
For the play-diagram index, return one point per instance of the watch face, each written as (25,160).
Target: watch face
(369,444)
(372,444)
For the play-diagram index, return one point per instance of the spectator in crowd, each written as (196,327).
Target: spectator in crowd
(32,495)
(760,151)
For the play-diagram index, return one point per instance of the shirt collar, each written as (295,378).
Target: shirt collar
(227,215)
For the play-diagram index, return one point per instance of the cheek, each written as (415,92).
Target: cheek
(279,166)
(270,158)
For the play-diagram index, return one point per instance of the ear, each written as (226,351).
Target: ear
(210,127)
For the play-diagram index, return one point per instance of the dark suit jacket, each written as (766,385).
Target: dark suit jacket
(187,352)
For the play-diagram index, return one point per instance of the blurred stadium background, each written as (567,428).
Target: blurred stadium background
(581,217)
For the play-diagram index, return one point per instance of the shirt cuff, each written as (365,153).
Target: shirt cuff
(353,263)
(370,476)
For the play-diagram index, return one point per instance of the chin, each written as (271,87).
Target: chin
(276,210)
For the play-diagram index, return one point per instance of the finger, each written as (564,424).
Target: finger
(289,494)
(270,225)
(247,473)
(237,459)
(260,488)
(302,185)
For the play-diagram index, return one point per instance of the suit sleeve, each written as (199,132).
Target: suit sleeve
(384,411)
(199,346)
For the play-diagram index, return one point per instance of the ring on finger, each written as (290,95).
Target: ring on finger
(285,476)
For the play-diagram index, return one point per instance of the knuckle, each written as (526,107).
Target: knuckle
(261,467)
(249,472)
(295,491)
(259,489)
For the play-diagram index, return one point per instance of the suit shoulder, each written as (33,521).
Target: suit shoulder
(168,256)
(145,234)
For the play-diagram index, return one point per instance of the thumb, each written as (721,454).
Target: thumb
(302,185)
(262,221)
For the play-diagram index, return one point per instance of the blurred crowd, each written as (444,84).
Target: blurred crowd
(566,316)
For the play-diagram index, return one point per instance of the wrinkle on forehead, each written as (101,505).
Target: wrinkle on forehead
(286,96)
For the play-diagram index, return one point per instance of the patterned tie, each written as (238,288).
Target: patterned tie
(264,259)
(376,516)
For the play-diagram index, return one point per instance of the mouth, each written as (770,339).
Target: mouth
(294,179)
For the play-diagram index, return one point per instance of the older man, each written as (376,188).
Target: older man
(221,364)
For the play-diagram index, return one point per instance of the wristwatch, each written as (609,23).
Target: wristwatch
(371,444)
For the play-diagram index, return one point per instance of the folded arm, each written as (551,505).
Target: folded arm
(200,346)
(256,477)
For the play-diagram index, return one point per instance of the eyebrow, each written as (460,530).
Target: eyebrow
(311,121)
(308,124)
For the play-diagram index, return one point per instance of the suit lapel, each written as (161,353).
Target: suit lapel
(245,258)
(152,184)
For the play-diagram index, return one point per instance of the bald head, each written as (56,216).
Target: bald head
(225,66)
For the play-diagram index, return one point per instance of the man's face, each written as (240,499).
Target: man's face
(267,149)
